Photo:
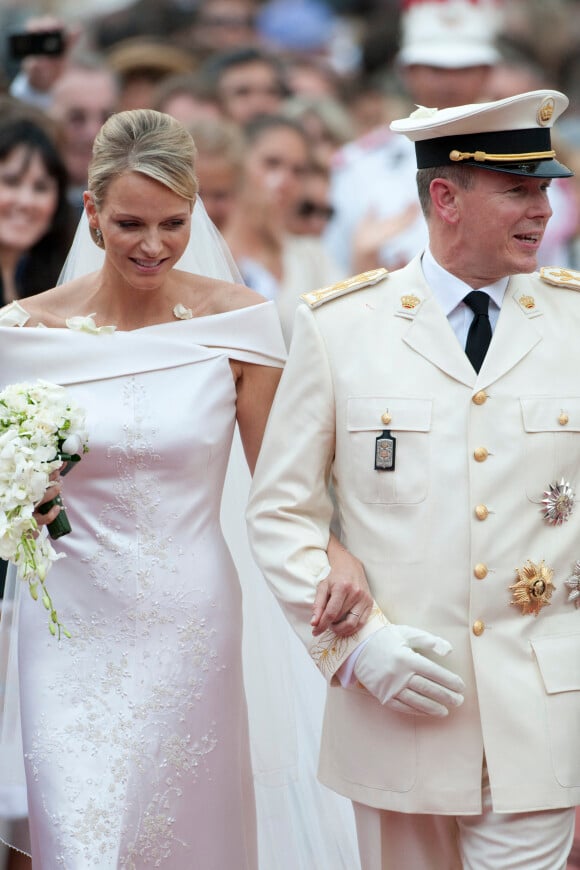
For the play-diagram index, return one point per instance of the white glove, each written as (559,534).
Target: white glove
(391,666)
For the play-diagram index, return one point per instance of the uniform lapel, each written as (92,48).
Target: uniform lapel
(431,336)
(516,333)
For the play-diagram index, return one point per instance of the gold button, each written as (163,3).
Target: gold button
(386,418)
(480,454)
(478,627)
(479,398)
(481,512)
(480,571)
(563,419)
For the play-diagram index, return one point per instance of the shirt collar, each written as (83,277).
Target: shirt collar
(450,291)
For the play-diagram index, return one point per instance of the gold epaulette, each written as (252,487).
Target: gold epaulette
(314,298)
(561,277)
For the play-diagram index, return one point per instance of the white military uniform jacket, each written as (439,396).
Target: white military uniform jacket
(441,537)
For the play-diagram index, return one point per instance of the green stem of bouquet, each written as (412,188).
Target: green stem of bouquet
(55,626)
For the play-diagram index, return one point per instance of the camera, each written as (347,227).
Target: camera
(47,42)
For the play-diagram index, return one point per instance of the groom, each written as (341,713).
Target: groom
(452,716)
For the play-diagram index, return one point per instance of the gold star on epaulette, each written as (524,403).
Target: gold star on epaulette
(561,277)
(314,298)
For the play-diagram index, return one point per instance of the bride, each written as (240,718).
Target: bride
(135,730)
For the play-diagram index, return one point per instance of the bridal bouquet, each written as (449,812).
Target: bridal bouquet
(39,430)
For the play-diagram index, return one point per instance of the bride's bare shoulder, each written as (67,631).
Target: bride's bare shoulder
(218,296)
(52,307)
(229,297)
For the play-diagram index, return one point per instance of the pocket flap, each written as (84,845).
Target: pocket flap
(558,658)
(547,413)
(365,413)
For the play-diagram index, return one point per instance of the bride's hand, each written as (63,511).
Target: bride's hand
(53,490)
(343,600)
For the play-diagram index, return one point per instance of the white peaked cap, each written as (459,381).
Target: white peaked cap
(509,135)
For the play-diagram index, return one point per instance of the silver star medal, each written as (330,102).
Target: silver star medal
(558,503)
(573,584)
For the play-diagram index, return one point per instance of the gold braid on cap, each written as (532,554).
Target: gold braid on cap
(482,156)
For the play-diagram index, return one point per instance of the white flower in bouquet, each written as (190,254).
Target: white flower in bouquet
(39,430)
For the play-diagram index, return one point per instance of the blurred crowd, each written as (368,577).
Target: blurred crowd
(289,103)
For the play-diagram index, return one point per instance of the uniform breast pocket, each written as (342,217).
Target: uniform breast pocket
(409,421)
(552,442)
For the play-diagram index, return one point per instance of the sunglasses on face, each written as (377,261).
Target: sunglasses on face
(307,208)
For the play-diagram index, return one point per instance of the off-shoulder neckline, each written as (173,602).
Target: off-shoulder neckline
(172,323)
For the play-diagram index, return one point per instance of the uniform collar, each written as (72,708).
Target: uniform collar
(449,291)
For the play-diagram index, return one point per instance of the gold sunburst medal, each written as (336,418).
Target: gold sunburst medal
(533,588)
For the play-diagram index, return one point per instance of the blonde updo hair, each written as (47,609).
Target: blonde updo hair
(145,141)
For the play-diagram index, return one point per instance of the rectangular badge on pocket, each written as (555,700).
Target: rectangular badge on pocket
(385,447)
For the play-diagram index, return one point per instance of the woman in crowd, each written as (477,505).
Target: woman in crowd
(272,260)
(35,219)
(135,730)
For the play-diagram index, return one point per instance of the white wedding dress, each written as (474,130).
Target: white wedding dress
(135,730)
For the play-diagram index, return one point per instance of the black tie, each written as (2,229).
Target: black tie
(479,335)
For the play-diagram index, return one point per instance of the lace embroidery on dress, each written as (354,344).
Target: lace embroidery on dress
(120,708)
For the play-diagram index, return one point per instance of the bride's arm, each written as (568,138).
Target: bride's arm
(343,600)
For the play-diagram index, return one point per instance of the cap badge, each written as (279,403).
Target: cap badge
(558,503)
(545,112)
(410,302)
(533,588)
(527,302)
(573,584)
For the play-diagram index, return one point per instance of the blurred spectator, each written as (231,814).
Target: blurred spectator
(380,41)
(447,50)
(39,73)
(371,103)
(515,73)
(81,100)
(219,165)
(36,222)
(222,25)
(143,63)
(446,53)
(314,208)
(297,25)
(247,81)
(186,98)
(272,260)
(312,76)
(167,19)
(326,122)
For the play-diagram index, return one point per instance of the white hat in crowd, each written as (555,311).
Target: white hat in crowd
(449,33)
